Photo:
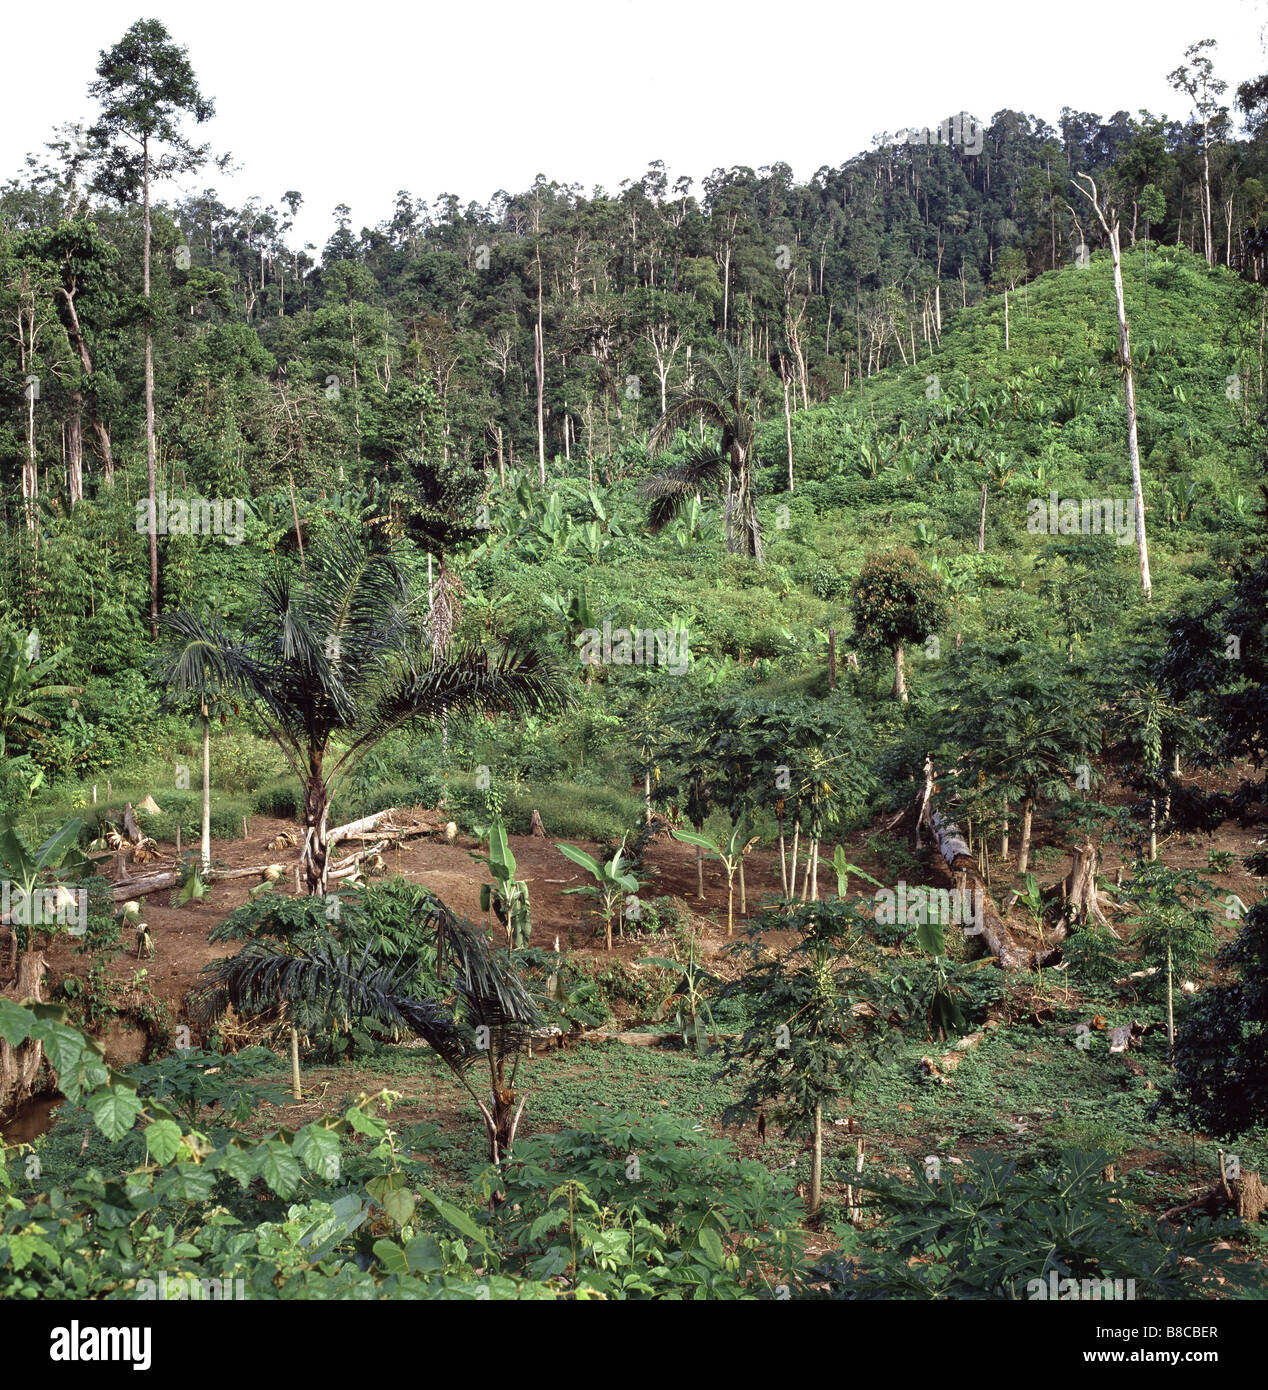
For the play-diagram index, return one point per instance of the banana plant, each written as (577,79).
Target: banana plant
(612,884)
(692,1014)
(689,531)
(730,856)
(844,869)
(25,868)
(507,897)
(595,542)
(554,524)
(573,610)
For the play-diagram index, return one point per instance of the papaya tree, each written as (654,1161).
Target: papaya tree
(818,1028)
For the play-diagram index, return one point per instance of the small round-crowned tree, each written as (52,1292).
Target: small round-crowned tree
(896,600)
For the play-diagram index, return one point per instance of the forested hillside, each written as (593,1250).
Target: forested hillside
(852,591)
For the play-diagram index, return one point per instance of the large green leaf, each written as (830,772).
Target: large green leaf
(689,837)
(115,1111)
(163,1139)
(579,856)
(318,1147)
(15,1022)
(279,1169)
(931,937)
(53,850)
(456,1217)
(399,1205)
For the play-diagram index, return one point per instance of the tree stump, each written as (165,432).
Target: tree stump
(1079,891)
(20,1066)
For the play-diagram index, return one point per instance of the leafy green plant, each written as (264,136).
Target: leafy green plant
(621,1207)
(688,995)
(990,1229)
(194,1081)
(1221,1048)
(1173,932)
(507,897)
(730,856)
(54,862)
(612,884)
(817,1031)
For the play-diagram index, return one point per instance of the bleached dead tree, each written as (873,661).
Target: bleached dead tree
(1107,215)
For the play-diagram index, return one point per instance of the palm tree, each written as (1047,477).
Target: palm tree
(196,666)
(343,649)
(721,395)
(491,1017)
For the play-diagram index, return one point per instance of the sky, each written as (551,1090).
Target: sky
(472,97)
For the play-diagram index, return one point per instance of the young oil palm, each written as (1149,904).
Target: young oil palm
(341,648)
(320,981)
(722,396)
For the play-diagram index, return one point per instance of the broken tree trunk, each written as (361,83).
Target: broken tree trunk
(962,867)
(1079,892)
(139,887)
(20,1066)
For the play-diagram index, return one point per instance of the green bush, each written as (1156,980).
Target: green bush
(991,1230)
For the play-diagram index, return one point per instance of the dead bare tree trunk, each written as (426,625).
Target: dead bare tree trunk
(1129,380)
(987,923)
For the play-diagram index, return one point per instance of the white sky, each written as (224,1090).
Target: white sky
(476,95)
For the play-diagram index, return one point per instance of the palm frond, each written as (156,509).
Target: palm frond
(703,470)
(681,413)
(337,985)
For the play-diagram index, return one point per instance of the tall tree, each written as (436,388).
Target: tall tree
(1197,78)
(1107,215)
(145,84)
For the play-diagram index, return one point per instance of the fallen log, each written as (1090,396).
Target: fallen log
(994,932)
(364,826)
(152,883)
(421,823)
(139,887)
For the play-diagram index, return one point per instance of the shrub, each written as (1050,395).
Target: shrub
(634,1208)
(993,1231)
